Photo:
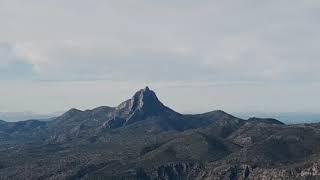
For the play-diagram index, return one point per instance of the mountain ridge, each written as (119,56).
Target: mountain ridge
(144,139)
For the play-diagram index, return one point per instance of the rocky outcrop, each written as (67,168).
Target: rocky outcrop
(172,171)
(142,105)
(249,172)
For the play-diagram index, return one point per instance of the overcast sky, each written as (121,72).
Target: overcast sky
(243,55)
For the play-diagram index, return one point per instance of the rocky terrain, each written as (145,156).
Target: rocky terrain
(144,139)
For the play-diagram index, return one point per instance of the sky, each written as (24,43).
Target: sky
(198,56)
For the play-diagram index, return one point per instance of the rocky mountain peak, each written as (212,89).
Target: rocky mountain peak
(143,104)
(144,98)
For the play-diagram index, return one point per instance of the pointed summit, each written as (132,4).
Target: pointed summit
(142,105)
(144,98)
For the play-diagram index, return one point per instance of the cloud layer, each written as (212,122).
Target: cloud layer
(209,40)
(206,41)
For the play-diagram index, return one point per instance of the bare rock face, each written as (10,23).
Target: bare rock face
(248,172)
(143,104)
(311,171)
(243,141)
(171,171)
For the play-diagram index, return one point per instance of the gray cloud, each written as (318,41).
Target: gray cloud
(210,42)
(232,41)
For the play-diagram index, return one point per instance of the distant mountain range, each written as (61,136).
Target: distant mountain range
(142,138)
(22,116)
(287,117)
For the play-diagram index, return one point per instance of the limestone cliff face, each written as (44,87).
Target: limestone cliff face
(142,105)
